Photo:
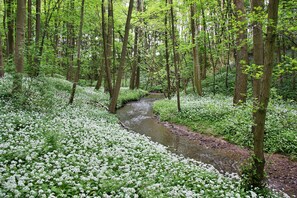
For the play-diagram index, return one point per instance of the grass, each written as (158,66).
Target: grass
(51,149)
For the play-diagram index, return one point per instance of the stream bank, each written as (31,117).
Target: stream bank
(225,157)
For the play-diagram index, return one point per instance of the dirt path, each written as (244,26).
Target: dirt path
(281,171)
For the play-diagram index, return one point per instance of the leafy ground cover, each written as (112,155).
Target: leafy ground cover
(215,115)
(51,149)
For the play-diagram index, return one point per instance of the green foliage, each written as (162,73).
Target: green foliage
(127,95)
(80,150)
(217,116)
(35,93)
(220,85)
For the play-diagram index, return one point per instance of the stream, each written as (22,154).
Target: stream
(138,116)
(225,157)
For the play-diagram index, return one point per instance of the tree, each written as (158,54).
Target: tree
(70,43)
(10,27)
(197,70)
(76,79)
(107,44)
(175,55)
(1,58)
(264,93)
(35,66)
(258,55)
(241,58)
(167,54)
(116,90)
(133,78)
(19,45)
(29,32)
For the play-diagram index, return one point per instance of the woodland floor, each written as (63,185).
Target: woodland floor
(280,169)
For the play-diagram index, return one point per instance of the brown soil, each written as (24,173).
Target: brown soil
(281,171)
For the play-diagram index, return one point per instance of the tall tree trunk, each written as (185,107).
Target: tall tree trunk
(258,54)
(294,75)
(167,55)
(70,43)
(260,116)
(19,45)
(1,58)
(35,68)
(76,79)
(135,61)
(116,90)
(29,32)
(240,92)
(10,27)
(197,70)
(135,66)
(175,56)
(204,66)
(107,48)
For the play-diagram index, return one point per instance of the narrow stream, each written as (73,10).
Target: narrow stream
(138,116)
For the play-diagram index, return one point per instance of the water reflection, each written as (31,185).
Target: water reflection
(139,117)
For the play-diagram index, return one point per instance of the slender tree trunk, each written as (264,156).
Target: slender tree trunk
(205,44)
(137,83)
(1,58)
(197,70)
(258,45)
(35,68)
(258,54)
(240,93)
(175,56)
(260,115)
(10,27)
(29,32)
(294,75)
(167,55)
(107,48)
(116,90)
(70,43)
(100,77)
(76,79)
(19,45)
(135,61)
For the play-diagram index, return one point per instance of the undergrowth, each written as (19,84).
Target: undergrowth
(51,149)
(217,116)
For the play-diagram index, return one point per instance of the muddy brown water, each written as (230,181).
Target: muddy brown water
(225,157)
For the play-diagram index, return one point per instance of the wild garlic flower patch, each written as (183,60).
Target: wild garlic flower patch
(218,116)
(81,151)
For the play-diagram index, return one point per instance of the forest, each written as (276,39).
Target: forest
(148,98)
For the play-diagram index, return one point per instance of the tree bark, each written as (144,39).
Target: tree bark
(19,45)
(70,43)
(260,115)
(107,44)
(294,75)
(195,51)
(258,54)
(204,66)
(134,71)
(29,32)
(35,67)
(167,55)
(240,93)
(1,58)
(175,56)
(76,79)
(10,27)
(116,90)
